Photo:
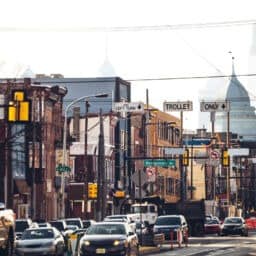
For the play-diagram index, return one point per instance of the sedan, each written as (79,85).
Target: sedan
(234,226)
(212,226)
(109,238)
(40,241)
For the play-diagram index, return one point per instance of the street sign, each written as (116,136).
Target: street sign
(214,159)
(63,168)
(160,162)
(139,177)
(238,151)
(174,151)
(178,106)
(128,107)
(214,106)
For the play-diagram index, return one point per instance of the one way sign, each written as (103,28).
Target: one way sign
(214,106)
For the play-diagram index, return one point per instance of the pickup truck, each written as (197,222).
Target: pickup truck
(7,227)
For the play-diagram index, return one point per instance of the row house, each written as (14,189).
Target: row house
(28,149)
(84,152)
(152,133)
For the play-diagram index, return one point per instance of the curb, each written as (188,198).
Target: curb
(150,249)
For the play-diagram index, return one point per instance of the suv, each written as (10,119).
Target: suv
(171,223)
(234,226)
(21,225)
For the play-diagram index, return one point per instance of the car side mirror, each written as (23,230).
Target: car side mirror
(130,233)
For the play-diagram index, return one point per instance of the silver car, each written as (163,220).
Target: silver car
(40,241)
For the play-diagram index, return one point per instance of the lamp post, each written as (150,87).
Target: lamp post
(64,149)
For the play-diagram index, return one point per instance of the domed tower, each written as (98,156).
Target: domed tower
(242,118)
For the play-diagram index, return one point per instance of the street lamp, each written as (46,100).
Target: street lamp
(64,149)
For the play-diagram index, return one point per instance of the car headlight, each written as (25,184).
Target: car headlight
(120,242)
(86,243)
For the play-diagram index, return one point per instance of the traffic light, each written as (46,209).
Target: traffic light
(225,158)
(19,108)
(185,157)
(92,190)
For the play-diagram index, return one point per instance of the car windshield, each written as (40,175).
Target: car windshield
(58,225)
(20,226)
(212,221)
(233,221)
(168,221)
(106,229)
(74,223)
(37,234)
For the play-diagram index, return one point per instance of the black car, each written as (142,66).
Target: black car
(234,226)
(109,238)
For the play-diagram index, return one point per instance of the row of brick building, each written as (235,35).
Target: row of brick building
(32,152)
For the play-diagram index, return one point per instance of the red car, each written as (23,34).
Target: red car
(212,226)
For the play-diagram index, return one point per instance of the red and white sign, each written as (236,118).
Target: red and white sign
(151,173)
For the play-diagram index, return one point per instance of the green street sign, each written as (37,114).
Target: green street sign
(63,168)
(160,162)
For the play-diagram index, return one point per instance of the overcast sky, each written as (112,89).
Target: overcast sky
(186,39)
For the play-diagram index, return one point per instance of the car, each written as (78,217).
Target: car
(40,241)
(212,226)
(109,238)
(74,221)
(171,224)
(20,226)
(122,217)
(88,223)
(62,227)
(59,224)
(140,228)
(44,225)
(234,226)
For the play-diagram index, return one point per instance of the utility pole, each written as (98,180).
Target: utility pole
(86,174)
(101,195)
(33,185)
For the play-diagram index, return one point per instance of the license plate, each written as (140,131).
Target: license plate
(100,250)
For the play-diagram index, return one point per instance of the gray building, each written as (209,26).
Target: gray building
(117,90)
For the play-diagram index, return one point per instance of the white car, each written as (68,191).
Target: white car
(122,218)
(40,241)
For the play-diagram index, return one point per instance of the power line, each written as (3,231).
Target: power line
(189,77)
(129,28)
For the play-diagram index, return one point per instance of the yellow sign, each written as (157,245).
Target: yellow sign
(119,194)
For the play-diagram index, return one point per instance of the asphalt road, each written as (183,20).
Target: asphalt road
(212,246)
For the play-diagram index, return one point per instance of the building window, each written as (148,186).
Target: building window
(170,186)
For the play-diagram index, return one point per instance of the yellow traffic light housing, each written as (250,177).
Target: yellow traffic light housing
(225,158)
(19,108)
(185,158)
(92,190)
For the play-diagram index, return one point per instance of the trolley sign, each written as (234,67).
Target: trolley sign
(178,106)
